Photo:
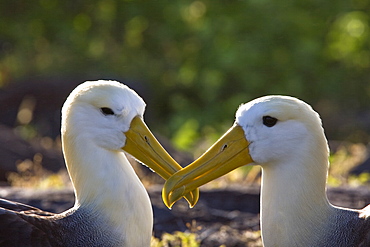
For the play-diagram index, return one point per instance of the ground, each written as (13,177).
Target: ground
(223,217)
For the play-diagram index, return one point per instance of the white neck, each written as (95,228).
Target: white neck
(293,201)
(105,182)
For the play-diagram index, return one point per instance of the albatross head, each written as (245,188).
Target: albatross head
(271,131)
(102,111)
(100,119)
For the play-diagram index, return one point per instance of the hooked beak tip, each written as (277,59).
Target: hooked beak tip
(172,196)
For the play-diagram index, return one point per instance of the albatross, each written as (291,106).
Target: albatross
(285,137)
(100,121)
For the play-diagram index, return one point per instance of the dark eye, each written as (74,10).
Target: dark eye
(269,121)
(107,111)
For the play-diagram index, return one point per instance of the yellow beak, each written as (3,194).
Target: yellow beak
(228,153)
(141,143)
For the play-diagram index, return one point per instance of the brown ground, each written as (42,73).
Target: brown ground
(226,217)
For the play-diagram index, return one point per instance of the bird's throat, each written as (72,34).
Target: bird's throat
(293,204)
(105,182)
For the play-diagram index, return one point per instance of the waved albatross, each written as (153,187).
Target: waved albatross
(100,120)
(285,137)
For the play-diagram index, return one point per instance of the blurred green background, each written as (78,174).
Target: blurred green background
(195,62)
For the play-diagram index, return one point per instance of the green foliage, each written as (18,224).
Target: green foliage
(177,239)
(347,157)
(362,179)
(31,174)
(186,134)
(199,59)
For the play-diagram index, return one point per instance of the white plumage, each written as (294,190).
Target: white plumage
(285,137)
(100,120)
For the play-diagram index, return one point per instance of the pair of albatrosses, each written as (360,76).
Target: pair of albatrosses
(100,119)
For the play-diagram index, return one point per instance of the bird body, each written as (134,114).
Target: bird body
(285,137)
(99,203)
(292,217)
(101,192)
(100,120)
(32,228)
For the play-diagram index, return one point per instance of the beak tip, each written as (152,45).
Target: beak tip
(193,203)
(170,195)
(168,204)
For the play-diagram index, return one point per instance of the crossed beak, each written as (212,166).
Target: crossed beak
(228,153)
(141,143)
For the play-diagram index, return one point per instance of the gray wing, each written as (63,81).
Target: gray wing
(20,207)
(26,226)
(23,225)
(364,216)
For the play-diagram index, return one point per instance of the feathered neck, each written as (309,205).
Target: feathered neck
(105,183)
(294,205)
